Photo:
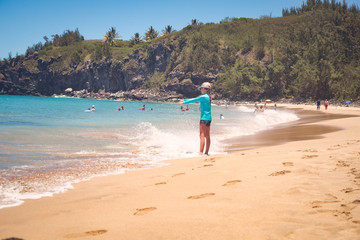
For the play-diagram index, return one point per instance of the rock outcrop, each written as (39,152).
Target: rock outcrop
(33,75)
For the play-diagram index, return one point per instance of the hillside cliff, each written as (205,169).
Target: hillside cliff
(312,53)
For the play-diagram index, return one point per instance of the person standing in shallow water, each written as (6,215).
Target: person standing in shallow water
(205,116)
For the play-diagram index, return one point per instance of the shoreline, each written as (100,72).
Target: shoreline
(248,194)
(306,128)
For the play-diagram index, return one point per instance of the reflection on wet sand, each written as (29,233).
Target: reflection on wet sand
(303,129)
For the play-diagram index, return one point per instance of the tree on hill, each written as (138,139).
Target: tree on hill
(194,22)
(111,35)
(67,38)
(151,34)
(312,5)
(136,38)
(167,30)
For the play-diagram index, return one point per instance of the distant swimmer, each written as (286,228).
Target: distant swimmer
(187,108)
(275,106)
(93,108)
(183,109)
(143,108)
(261,109)
(221,116)
(122,108)
(256,107)
(90,110)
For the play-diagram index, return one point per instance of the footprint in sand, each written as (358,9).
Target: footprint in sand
(335,147)
(96,232)
(350,206)
(317,204)
(143,211)
(84,234)
(309,156)
(209,160)
(342,164)
(280,173)
(160,183)
(309,150)
(288,164)
(201,196)
(232,182)
(206,165)
(178,174)
(349,190)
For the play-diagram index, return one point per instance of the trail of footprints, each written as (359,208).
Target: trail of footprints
(330,200)
(332,204)
(208,163)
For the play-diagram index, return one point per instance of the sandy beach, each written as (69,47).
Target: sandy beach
(308,188)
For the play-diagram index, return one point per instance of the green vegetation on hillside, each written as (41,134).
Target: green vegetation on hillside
(311,52)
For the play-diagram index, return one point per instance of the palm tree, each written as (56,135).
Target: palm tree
(151,34)
(194,22)
(168,30)
(136,38)
(111,35)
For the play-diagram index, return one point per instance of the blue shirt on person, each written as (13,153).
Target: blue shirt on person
(205,106)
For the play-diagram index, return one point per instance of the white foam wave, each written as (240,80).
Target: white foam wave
(251,122)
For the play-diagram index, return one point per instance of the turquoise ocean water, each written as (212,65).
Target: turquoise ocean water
(46,144)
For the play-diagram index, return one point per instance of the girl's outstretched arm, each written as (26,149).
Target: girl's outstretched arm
(181,101)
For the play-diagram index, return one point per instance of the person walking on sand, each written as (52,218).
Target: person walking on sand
(318,104)
(205,116)
(326,103)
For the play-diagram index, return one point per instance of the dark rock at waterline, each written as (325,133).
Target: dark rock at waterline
(133,95)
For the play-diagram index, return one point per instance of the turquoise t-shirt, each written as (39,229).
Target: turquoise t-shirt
(205,106)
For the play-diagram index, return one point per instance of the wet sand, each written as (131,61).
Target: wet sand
(303,189)
(306,128)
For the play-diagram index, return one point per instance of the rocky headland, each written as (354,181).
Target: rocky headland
(108,79)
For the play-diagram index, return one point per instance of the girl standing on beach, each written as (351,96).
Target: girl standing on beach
(205,117)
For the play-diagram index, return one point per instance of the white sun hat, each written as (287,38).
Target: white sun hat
(206,85)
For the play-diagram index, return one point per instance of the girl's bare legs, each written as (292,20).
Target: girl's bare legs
(204,135)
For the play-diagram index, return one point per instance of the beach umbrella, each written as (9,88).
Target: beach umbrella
(267,100)
(346,102)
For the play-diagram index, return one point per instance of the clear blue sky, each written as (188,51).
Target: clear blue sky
(25,22)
